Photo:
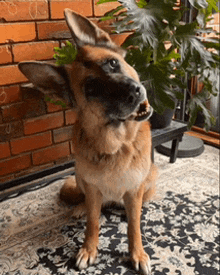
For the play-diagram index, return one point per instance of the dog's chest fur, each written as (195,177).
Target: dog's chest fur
(113,185)
(114,174)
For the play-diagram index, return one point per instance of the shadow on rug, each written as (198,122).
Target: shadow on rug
(179,228)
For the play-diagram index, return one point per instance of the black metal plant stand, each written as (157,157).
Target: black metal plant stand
(172,134)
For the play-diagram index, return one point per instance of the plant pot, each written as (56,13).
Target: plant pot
(161,121)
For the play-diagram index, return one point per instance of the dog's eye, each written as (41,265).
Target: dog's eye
(111,66)
(113,63)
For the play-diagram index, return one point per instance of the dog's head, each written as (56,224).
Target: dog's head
(99,79)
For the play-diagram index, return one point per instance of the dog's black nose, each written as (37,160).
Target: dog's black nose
(137,91)
(134,93)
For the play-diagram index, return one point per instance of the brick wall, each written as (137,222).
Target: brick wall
(34,134)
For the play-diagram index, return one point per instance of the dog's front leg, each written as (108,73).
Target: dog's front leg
(87,254)
(133,204)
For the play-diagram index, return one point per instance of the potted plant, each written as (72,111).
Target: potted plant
(168,50)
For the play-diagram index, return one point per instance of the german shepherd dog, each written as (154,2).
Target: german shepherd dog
(112,138)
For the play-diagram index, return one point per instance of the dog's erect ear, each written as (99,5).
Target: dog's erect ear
(48,77)
(86,32)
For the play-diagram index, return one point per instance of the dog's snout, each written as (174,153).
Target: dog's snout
(137,91)
(134,94)
(131,99)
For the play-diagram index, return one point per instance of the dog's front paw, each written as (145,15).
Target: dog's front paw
(86,257)
(141,261)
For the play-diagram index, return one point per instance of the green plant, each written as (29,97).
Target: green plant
(66,54)
(168,52)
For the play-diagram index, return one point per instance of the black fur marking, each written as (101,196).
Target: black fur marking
(119,95)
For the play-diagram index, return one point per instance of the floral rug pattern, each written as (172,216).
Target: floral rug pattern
(180,228)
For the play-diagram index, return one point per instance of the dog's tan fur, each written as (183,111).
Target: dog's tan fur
(112,163)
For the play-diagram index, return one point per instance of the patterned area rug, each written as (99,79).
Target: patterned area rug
(179,228)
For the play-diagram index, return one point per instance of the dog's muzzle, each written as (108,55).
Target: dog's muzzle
(143,112)
(137,96)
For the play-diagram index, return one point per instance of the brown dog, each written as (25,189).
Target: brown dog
(112,137)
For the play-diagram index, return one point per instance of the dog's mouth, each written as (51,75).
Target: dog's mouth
(143,112)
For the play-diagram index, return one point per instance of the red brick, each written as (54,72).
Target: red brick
(4,150)
(11,75)
(51,153)
(23,10)
(53,29)
(70,117)
(11,130)
(29,143)
(6,178)
(63,160)
(5,55)
(101,9)
(119,38)
(17,32)
(105,25)
(34,169)
(9,94)
(43,123)
(63,134)
(13,112)
(34,51)
(84,7)
(53,107)
(8,166)
(25,109)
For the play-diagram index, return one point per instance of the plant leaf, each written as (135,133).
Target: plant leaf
(213,5)
(197,104)
(65,55)
(142,3)
(105,1)
(110,15)
(198,4)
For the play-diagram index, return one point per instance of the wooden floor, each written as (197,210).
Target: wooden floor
(211,138)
